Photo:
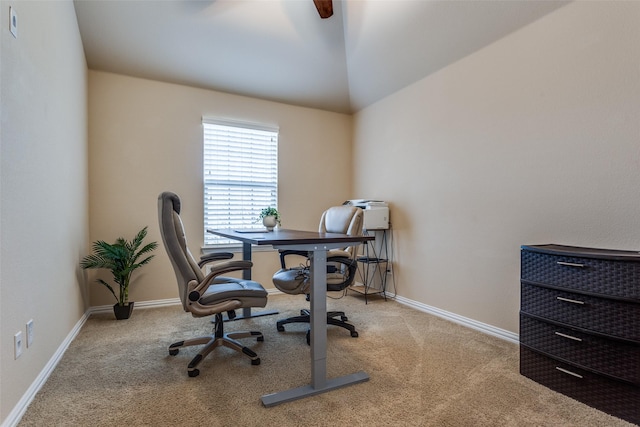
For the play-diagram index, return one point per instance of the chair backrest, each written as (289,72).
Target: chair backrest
(344,220)
(175,243)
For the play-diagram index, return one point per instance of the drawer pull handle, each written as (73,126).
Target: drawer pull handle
(568,336)
(570,300)
(568,372)
(570,264)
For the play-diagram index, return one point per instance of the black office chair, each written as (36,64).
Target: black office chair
(207,295)
(341,267)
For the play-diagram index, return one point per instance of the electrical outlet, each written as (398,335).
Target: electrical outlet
(29,333)
(17,344)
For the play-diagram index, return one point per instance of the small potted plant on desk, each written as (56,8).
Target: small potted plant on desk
(121,258)
(270,218)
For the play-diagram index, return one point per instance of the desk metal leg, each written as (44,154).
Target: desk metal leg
(318,323)
(246,275)
(319,382)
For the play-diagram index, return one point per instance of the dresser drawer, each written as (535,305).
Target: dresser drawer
(610,317)
(605,277)
(613,397)
(616,358)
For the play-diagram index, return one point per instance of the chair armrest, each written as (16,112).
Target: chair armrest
(215,256)
(196,290)
(349,262)
(287,252)
(199,310)
(352,266)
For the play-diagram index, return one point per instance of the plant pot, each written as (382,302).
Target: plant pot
(269,222)
(123,311)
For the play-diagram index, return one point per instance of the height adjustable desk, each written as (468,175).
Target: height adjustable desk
(316,244)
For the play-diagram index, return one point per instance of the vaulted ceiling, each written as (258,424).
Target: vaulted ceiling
(282,50)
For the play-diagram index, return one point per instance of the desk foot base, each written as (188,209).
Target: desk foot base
(250,315)
(274,399)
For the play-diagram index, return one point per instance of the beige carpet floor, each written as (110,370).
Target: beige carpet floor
(424,371)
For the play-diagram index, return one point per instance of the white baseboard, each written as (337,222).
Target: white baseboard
(18,411)
(464,321)
(143,304)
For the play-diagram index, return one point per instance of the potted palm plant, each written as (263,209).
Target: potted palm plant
(270,217)
(122,258)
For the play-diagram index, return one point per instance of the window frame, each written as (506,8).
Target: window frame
(247,194)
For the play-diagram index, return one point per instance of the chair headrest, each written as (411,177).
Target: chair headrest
(343,220)
(169,198)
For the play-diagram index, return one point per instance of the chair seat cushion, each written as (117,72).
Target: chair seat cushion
(225,279)
(237,289)
(292,281)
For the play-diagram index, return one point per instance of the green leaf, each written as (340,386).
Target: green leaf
(120,258)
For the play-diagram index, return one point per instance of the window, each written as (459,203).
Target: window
(240,175)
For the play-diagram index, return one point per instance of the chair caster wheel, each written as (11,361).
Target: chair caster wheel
(280,328)
(344,318)
(308,337)
(260,338)
(255,361)
(354,334)
(193,373)
(173,351)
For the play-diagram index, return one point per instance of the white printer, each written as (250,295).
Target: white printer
(376,213)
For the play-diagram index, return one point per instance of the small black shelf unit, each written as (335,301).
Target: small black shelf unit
(373,268)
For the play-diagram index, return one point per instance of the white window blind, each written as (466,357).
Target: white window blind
(240,175)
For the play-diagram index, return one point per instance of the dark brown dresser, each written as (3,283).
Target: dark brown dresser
(580,325)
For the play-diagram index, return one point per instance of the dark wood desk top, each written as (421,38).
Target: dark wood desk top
(280,236)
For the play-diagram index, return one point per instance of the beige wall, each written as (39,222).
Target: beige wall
(146,137)
(43,175)
(534,139)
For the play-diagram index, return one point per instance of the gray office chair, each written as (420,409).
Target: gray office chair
(207,295)
(341,267)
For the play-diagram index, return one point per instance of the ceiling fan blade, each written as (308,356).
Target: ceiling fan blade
(325,8)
